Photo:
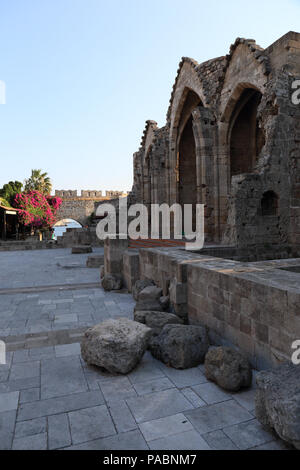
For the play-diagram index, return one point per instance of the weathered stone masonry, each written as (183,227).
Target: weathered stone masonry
(79,208)
(231,142)
(252,306)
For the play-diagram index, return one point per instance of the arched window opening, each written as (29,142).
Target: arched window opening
(62,225)
(246,136)
(187,167)
(269,203)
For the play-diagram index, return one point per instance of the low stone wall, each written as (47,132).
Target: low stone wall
(252,306)
(259,252)
(113,255)
(79,236)
(131,268)
(167,267)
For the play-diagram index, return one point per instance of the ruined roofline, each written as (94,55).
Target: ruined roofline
(260,54)
(198,67)
(290,36)
(149,123)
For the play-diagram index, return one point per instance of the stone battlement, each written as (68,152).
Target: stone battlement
(63,193)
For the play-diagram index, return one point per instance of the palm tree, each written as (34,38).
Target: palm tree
(38,182)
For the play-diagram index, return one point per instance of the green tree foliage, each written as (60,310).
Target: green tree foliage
(9,191)
(38,181)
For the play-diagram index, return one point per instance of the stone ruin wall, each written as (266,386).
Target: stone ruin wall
(80,208)
(70,193)
(245,206)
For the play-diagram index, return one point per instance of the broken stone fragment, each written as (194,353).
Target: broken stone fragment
(180,346)
(156,320)
(151,305)
(115,345)
(139,286)
(277,402)
(150,293)
(111,282)
(149,299)
(228,368)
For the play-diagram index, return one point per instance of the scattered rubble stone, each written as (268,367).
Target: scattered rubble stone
(115,345)
(148,299)
(139,286)
(277,402)
(111,282)
(228,368)
(157,320)
(180,346)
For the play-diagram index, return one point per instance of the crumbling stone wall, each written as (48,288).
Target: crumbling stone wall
(252,306)
(213,99)
(80,208)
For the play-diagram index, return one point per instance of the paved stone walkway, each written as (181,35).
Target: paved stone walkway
(50,399)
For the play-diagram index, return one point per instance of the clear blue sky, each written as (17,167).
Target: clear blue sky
(83,76)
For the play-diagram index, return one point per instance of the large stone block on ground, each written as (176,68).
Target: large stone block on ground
(180,346)
(228,368)
(81,249)
(149,299)
(150,293)
(277,402)
(115,345)
(139,286)
(95,261)
(151,305)
(111,282)
(157,320)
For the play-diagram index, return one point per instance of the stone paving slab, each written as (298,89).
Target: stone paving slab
(162,427)
(132,440)
(59,435)
(91,423)
(190,440)
(157,405)
(51,399)
(62,376)
(44,268)
(213,417)
(118,413)
(36,442)
(33,322)
(58,405)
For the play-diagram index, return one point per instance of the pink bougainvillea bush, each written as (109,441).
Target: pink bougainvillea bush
(37,210)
